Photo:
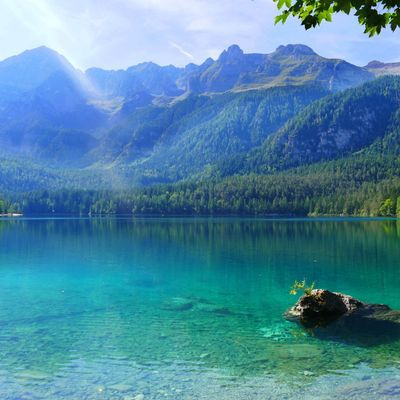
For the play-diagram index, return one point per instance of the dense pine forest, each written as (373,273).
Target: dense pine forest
(357,186)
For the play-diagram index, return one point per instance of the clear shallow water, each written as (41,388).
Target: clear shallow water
(190,308)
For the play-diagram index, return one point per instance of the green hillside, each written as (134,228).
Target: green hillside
(175,142)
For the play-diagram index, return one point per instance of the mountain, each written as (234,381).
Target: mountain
(231,105)
(48,115)
(51,122)
(145,77)
(233,70)
(31,68)
(26,71)
(287,65)
(379,68)
(240,113)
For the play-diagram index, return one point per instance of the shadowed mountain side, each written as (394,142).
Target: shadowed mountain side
(174,142)
(331,128)
(52,122)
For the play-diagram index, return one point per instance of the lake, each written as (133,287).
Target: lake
(190,308)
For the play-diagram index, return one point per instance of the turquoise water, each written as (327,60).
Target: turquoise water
(190,308)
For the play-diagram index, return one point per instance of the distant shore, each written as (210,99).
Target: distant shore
(11,215)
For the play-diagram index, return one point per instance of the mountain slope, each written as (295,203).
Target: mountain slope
(44,110)
(331,128)
(175,142)
(31,68)
(52,121)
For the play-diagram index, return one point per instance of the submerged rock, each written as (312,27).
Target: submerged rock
(178,304)
(298,352)
(223,311)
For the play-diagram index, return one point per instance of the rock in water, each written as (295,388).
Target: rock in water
(322,307)
(336,316)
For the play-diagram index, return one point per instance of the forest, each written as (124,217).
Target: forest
(362,185)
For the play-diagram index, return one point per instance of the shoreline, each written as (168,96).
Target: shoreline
(11,215)
(199,216)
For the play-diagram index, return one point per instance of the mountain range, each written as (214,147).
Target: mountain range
(239,114)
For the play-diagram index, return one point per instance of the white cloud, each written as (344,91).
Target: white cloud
(125,32)
(181,50)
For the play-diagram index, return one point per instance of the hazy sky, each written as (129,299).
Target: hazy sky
(119,33)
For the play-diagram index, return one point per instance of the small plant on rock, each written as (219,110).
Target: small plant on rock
(307,290)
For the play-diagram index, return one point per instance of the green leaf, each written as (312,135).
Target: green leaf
(285,16)
(345,6)
(280,4)
(372,14)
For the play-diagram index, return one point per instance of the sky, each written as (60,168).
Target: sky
(118,33)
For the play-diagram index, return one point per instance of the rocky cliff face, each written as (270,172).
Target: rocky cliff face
(288,65)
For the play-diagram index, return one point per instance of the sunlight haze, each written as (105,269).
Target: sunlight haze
(121,33)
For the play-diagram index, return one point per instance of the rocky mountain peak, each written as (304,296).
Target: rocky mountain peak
(231,53)
(375,64)
(295,50)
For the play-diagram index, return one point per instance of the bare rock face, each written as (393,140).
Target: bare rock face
(322,307)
